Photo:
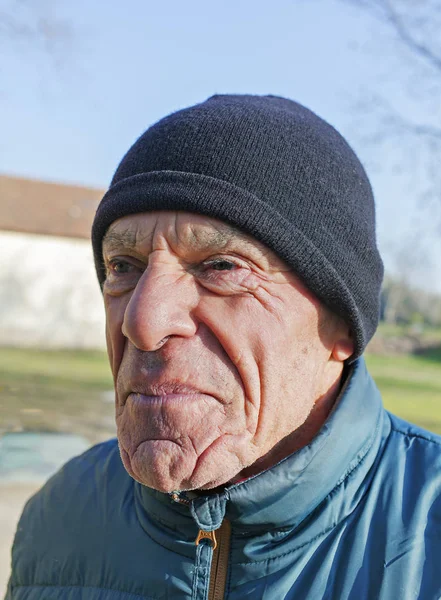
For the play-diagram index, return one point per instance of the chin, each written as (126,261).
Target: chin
(161,481)
(166,472)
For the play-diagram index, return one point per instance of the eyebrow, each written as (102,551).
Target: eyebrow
(219,238)
(115,239)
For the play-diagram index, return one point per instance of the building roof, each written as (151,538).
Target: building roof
(31,206)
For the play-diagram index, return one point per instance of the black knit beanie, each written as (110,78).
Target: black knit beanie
(274,169)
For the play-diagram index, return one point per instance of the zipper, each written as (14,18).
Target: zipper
(213,553)
(220,543)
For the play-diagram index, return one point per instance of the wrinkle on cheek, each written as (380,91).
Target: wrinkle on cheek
(272,299)
(240,354)
(261,423)
(116,341)
(110,350)
(246,282)
(248,370)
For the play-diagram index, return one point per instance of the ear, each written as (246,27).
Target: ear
(343,347)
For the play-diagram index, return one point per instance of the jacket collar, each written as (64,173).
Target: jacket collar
(340,456)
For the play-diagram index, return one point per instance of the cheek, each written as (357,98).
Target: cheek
(276,348)
(253,331)
(232,322)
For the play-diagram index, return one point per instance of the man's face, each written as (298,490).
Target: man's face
(218,351)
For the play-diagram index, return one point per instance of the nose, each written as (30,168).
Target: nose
(160,308)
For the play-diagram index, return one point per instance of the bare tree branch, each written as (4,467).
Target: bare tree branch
(407,126)
(386,11)
(35,24)
(406,36)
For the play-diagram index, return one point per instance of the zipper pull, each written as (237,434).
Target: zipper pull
(179,498)
(206,535)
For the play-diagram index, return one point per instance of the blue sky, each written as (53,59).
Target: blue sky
(130,63)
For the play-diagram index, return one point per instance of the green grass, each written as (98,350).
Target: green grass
(56,391)
(427,334)
(71,391)
(410,386)
(84,369)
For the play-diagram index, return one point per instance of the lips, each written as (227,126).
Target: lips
(165,392)
(170,388)
(166,389)
(138,402)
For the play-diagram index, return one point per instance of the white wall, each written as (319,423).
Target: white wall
(49,293)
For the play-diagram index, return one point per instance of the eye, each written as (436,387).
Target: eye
(122,274)
(220,264)
(224,275)
(119,266)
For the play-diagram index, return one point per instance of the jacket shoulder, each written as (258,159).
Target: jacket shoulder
(426,442)
(406,511)
(70,513)
(413,467)
(81,477)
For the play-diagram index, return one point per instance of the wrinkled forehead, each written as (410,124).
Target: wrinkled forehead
(180,228)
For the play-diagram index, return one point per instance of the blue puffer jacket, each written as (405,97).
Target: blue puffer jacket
(354,515)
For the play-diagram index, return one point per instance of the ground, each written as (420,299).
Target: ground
(12,501)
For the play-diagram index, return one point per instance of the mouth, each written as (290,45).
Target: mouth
(170,388)
(165,399)
(164,393)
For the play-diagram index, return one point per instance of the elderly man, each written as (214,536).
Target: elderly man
(237,257)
